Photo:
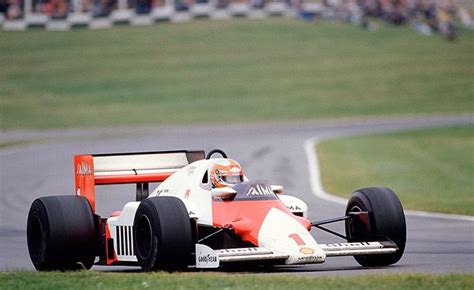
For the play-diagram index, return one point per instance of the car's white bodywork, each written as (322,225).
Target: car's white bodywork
(280,235)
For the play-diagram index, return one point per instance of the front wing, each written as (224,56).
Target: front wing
(209,258)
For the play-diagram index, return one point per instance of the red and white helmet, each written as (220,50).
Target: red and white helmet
(226,173)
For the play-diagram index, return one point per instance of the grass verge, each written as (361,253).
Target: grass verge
(228,71)
(429,169)
(97,280)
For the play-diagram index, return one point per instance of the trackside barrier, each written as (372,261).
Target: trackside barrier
(76,15)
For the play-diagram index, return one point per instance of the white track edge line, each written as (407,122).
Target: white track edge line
(318,190)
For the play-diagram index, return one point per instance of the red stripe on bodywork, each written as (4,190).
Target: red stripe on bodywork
(108,237)
(117,179)
(246,216)
(298,240)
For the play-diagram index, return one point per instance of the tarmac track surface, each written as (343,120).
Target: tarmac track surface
(272,151)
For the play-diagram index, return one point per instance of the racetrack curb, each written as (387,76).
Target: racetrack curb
(318,190)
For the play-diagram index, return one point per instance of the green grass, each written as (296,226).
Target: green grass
(430,169)
(228,71)
(97,280)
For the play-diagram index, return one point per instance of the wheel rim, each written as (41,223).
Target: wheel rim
(357,231)
(355,208)
(144,234)
(36,239)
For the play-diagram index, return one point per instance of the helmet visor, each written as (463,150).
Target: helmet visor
(232,179)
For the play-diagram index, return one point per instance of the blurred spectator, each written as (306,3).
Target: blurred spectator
(102,8)
(142,6)
(158,3)
(445,18)
(427,12)
(399,12)
(302,11)
(222,4)
(4,4)
(14,9)
(182,5)
(81,6)
(466,16)
(329,9)
(258,4)
(350,11)
(58,9)
(427,16)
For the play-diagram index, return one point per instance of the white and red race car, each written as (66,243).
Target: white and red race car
(204,213)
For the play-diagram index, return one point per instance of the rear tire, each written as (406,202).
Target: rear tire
(386,223)
(61,233)
(162,234)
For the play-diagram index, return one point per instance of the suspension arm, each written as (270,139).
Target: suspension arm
(363,215)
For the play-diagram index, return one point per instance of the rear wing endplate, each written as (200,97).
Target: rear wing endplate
(140,168)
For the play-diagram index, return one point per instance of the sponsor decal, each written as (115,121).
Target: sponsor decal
(310,259)
(84,168)
(307,251)
(298,240)
(191,170)
(294,208)
(259,190)
(162,191)
(206,257)
(186,195)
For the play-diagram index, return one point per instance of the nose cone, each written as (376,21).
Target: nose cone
(283,234)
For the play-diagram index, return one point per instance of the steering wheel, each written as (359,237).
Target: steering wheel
(214,151)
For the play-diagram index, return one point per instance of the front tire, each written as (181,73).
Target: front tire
(61,233)
(386,223)
(162,234)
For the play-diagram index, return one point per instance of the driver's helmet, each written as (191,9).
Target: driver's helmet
(226,173)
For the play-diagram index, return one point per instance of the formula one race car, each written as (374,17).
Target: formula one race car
(204,213)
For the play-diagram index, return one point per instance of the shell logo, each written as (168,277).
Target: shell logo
(307,251)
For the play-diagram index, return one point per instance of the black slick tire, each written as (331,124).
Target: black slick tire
(61,233)
(386,223)
(162,234)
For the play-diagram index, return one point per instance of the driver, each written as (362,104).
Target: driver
(226,173)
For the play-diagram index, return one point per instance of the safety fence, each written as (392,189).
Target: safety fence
(424,15)
(96,14)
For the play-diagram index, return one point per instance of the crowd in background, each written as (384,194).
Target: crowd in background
(426,16)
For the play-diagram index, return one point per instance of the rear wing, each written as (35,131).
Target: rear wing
(140,168)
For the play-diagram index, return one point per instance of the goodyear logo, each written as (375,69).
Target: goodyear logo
(207,259)
(307,251)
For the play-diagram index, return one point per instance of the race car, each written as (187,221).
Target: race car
(204,213)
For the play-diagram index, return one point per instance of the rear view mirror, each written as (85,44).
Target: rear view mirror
(224,192)
(277,189)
